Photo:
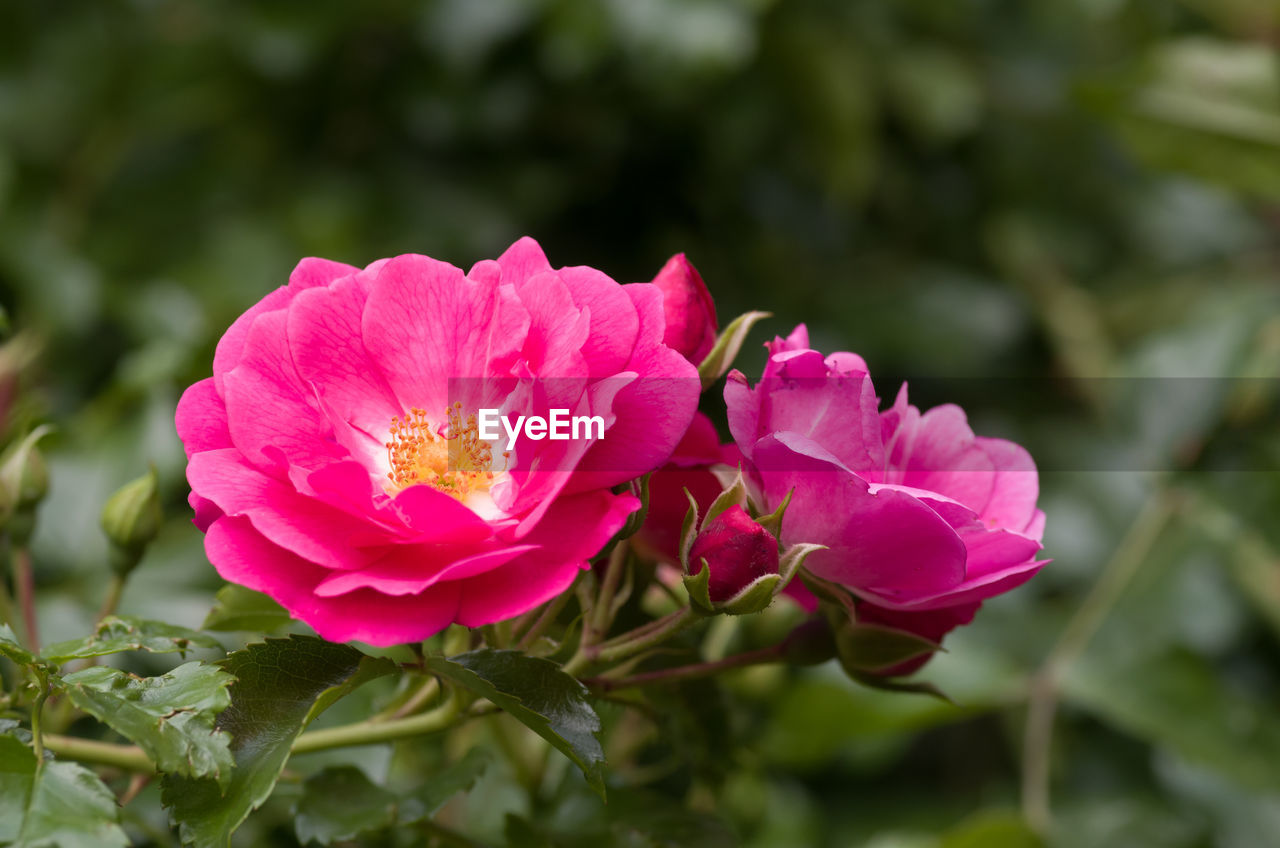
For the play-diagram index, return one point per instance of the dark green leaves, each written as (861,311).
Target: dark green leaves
(238,608)
(281,685)
(537,693)
(115,634)
(340,803)
(171,716)
(61,804)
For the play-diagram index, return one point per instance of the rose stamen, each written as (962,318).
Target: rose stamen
(456,462)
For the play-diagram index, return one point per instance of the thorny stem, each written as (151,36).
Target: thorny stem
(1043,699)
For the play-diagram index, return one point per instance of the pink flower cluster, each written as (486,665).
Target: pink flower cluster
(336,463)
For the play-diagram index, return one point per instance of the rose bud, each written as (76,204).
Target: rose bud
(738,552)
(689,310)
(131,519)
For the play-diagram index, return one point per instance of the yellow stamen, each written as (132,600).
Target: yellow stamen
(457,464)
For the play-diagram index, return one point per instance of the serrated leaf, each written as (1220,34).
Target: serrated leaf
(115,634)
(17,774)
(60,805)
(537,693)
(340,803)
(439,788)
(281,684)
(10,647)
(171,717)
(238,608)
(727,346)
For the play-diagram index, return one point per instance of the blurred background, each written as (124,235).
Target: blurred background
(1064,214)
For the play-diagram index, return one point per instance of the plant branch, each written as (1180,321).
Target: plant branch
(25,587)
(688,672)
(1043,698)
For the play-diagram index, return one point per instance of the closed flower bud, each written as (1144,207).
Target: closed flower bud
(131,519)
(738,552)
(24,481)
(690,312)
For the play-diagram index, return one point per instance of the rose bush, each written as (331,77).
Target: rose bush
(921,518)
(334,457)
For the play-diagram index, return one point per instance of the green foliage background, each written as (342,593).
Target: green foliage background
(1065,208)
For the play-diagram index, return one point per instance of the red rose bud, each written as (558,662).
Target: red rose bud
(690,312)
(738,552)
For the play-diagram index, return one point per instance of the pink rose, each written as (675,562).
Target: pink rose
(922,519)
(336,460)
(690,311)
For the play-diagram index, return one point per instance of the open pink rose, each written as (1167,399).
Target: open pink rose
(337,465)
(922,519)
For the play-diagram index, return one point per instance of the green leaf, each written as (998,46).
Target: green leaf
(125,633)
(439,788)
(60,805)
(537,693)
(991,829)
(340,803)
(726,348)
(10,647)
(17,775)
(238,608)
(281,684)
(171,716)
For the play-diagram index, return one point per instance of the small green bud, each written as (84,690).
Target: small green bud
(131,519)
(24,481)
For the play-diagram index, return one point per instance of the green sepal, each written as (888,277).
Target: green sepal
(753,597)
(793,558)
(873,648)
(889,684)
(773,521)
(639,488)
(735,494)
(688,531)
(727,346)
(698,587)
